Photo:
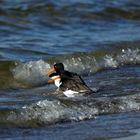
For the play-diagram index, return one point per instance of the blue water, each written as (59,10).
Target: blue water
(98,39)
(41,29)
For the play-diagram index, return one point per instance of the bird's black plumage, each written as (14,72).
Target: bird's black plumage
(69,80)
(73,81)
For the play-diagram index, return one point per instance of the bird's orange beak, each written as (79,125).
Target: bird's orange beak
(52,80)
(50,71)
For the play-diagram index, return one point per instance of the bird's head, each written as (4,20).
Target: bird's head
(58,70)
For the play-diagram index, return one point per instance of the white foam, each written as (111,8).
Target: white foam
(110,61)
(33,72)
(129,56)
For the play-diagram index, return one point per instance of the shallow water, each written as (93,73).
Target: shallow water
(98,40)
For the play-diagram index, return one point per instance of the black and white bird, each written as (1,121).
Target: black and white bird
(71,84)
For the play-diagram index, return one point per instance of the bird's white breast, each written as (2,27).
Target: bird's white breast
(56,81)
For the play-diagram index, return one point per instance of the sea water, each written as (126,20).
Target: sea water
(98,39)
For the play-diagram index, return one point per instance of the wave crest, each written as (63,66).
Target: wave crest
(35,72)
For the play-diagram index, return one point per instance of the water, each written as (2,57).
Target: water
(97,39)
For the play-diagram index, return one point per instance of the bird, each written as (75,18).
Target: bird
(71,84)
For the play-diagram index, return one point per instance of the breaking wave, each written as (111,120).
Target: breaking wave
(52,111)
(35,72)
(62,109)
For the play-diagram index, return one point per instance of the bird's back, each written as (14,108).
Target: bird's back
(72,81)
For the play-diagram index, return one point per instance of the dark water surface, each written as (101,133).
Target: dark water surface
(98,39)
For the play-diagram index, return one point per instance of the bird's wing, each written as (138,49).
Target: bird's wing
(74,82)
